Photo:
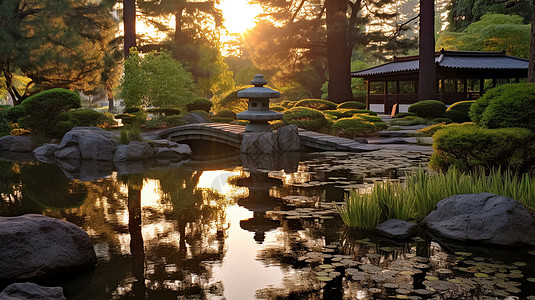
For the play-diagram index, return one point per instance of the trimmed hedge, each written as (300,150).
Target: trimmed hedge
(200,104)
(287,104)
(359,125)
(89,117)
(164,111)
(316,104)
(408,121)
(231,101)
(405,114)
(428,109)
(277,108)
(469,147)
(458,112)
(44,112)
(226,114)
(307,118)
(352,105)
(510,105)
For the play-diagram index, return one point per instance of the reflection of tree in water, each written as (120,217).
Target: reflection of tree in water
(177,261)
(35,187)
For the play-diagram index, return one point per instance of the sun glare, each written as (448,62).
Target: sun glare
(239,15)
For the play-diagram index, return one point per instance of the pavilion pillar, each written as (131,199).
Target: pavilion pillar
(427,67)
(368,95)
(397,96)
(386,104)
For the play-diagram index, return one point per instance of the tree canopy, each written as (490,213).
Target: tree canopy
(494,32)
(155,79)
(60,43)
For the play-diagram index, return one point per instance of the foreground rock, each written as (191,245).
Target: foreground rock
(484,217)
(17,144)
(28,290)
(35,245)
(91,142)
(397,229)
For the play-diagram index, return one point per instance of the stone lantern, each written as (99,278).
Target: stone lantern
(258,112)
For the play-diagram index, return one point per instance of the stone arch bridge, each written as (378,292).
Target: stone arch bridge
(231,135)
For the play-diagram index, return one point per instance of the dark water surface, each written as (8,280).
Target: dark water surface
(234,232)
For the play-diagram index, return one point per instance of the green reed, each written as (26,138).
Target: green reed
(422,190)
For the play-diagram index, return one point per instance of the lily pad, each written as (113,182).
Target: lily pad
(334,274)
(531,279)
(326,266)
(520,264)
(463,253)
(324,278)
(431,278)
(481,275)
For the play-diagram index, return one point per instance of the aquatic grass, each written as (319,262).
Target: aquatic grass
(360,211)
(422,190)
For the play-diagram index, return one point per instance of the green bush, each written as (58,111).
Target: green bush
(217,119)
(351,105)
(277,108)
(405,114)
(511,105)
(230,101)
(458,112)
(172,121)
(408,121)
(164,111)
(131,110)
(468,147)
(347,113)
(428,109)
(287,104)
(359,125)
(477,108)
(307,118)
(316,104)
(44,112)
(442,120)
(5,128)
(200,104)
(226,114)
(13,113)
(89,117)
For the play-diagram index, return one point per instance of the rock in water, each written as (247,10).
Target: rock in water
(483,217)
(93,142)
(28,290)
(395,228)
(35,245)
(259,142)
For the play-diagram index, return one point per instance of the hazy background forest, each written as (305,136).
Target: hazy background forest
(220,45)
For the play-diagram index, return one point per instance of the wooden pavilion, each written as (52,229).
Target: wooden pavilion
(461,75)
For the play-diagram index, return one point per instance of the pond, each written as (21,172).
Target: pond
(251,228)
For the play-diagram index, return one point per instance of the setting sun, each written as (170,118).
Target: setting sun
(239,15)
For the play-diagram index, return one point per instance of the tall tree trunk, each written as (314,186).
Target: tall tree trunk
(338,52)
(531,69)
(427,73)
(129,23)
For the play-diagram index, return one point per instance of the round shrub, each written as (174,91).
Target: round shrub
(306,118)
(428,109)
(87,117)
(277,108)
(15,112)
(44,111)
(408,121)
(477,108)
(226,114)
(200,104)
(164,111)
(511,105)
(231,101)
(469,147)
(458,112)
(316,104)
(352,105)
(126,118)
(131,110)
(172,121)
(202,113)
(359,111)
(217,119)
(405,114)
(287,104)
(442,120)
(359,125)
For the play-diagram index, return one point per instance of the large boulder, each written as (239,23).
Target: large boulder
(288,138)
(45,150)
(194,118)
(93,142)
(173,153)
(139,151)
(484,217)
(35,245)
(68,152)
(28,291)
(17,143)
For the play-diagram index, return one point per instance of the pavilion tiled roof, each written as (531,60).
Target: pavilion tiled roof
(467,60)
